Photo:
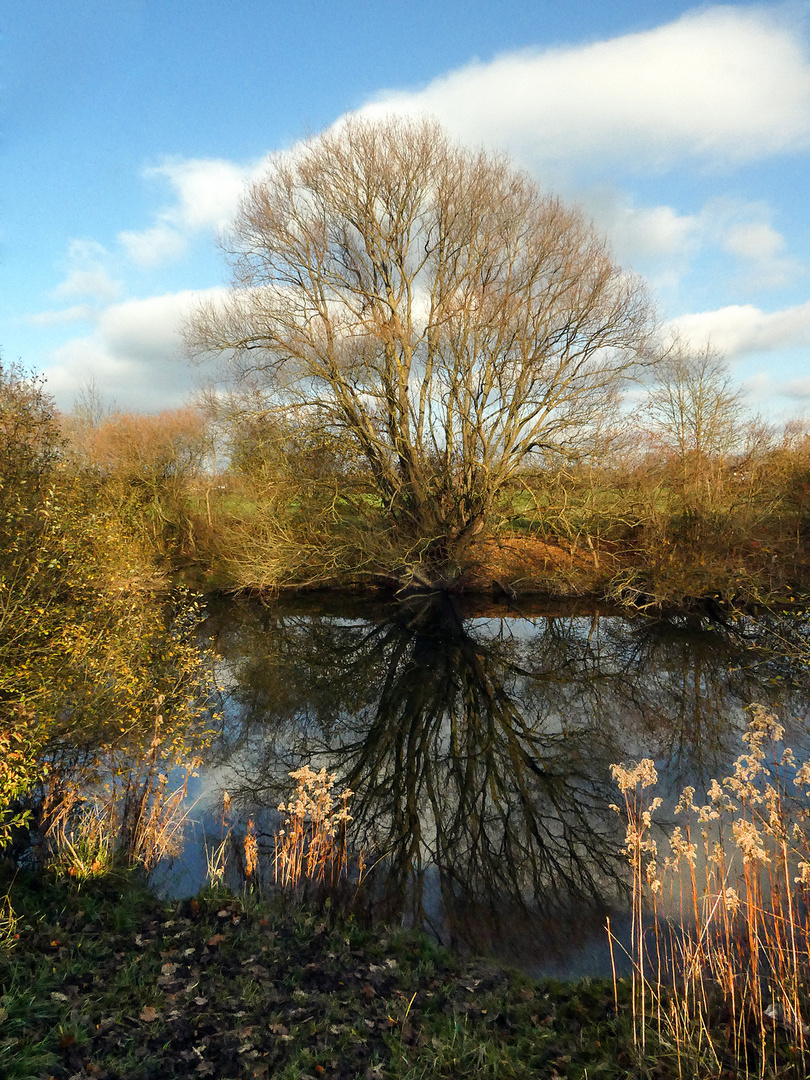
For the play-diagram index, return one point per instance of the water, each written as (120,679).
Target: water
(478,745)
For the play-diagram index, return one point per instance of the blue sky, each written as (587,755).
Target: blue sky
(130,126)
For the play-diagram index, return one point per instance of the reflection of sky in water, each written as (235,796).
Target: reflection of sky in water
(529,713)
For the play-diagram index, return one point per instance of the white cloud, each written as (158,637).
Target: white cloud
(796,388)
(662,242)
(87,273)
(207,190)
(742,329)
(153,247)
(206,195)
(744,230)
(134,356)
(96,283)
(77,313)
(754,240)
(760,249)
(726,84)
(643,234)
(655,232)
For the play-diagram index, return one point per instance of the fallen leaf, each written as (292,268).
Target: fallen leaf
(215,939)
(149,1014)
(200,1000)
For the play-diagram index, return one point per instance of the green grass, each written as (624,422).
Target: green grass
(107,981)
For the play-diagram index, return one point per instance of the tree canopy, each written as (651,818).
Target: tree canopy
(435,309)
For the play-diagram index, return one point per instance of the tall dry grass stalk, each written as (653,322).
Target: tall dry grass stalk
(136,816)
(720,939)
(310,846)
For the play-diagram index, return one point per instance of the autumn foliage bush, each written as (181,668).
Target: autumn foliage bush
(93,645)
(149,466)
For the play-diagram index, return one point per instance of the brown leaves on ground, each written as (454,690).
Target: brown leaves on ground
(213,990)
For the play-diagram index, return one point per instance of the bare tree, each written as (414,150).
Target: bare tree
(431,305)
(697,413)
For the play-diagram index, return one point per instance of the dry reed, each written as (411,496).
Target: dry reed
(310,846)
(720,941)
(136,816)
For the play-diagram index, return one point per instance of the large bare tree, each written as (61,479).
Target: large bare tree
(432,305)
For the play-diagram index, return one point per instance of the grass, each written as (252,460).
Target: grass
(106,981)
(100,978)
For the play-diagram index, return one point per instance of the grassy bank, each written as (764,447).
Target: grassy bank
(104,980)
(638,548)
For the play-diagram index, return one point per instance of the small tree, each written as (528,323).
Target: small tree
(149,462)
(698,419)
(431,306)
(697,413)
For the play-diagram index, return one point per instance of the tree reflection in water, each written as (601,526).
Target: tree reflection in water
(479,750)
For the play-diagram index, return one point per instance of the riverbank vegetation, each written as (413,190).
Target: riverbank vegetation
(100,978)
(106,981)
(237,497)
(437,375)
(103,689)
(426,352)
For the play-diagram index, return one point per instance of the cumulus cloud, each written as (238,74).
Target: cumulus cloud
(205,195)
(154,246)
(77,313)
(724,85)
(797,389)
(88,274)
(642,235)
(134,355)
(741,329)
(761,250)
(208,191)
(662,242)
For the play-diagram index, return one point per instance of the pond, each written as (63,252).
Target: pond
(478,743)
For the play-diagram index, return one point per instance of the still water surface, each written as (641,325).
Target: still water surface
(478,745)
